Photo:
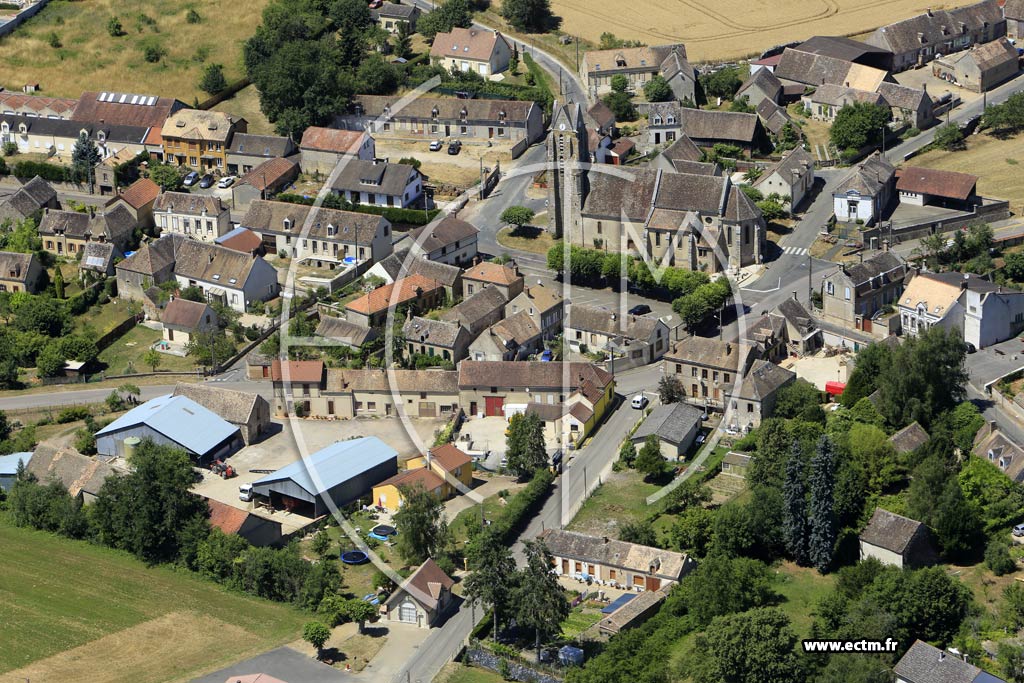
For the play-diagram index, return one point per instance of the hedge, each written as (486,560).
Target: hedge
(31,169)
(522,506)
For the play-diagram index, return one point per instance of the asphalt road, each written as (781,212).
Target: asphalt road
(959,115)
(149,391)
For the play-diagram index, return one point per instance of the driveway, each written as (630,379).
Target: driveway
(283,663)
(992,362)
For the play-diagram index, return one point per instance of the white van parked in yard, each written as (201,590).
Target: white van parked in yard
(245,492)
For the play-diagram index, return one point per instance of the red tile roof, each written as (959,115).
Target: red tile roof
(226,518)
(449,457)
(297,371)
(245,241)
(421,476)
(332,140)
(492,272)
(380,299)
(270,173)
(141,192)
(949,184)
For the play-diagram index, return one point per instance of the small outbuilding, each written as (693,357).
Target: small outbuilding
(421,598)
(175,421)
(896,540)
(332,477)
(736,464)
(182,318)
(910,438)
(676,426)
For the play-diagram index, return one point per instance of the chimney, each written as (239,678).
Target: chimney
(966,281)
(861,256)
(920,37)
(210,258)
(794,296)
(924,86)
(942,655)
(929,12)
(604,539)
(728,349)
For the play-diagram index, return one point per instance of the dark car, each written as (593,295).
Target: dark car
(455,147)
(190,179)
(640,309)
(207,181)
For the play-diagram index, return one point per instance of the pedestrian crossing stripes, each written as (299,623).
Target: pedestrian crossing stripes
(795,251)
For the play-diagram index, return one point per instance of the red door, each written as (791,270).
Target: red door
(493,405)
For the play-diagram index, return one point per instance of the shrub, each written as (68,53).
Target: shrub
(998,559)
(114,27)
(73,414)
(10,148)
(193,16)
(54,40)
(152,53)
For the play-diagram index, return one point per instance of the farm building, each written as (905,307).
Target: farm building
(627,565)
(249,412)
(421,598)
(896,540)
(174,421)
(81,475)
(9,468)
(333,476)
(259,531)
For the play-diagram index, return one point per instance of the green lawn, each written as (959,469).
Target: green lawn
(61,594)
(457,673)
(131,347)
(492,508)
(622,498)
(801,589)
(99,320)
(357,579)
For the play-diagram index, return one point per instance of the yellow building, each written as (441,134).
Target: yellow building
(441,472)
(200,139)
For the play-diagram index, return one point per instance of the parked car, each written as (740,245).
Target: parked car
(206,182)
(547,356)
(190,179)
(245,492)
(700,439)
(640,309)
(640,402)
(1018,530)
(455,147)
(436,145)
(227,181)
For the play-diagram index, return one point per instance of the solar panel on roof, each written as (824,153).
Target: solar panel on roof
(151,101)
(94,261)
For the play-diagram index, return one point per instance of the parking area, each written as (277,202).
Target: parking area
(483,434)
(922,79)
(284,447)
(460,170)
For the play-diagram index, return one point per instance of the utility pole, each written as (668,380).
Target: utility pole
(577,54)
(810,286)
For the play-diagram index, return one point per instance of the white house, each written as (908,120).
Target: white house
(198,217)
(984,311)
(792,176)
(379,183)
(472,49)
(231,277)
(449,240)
(866,191)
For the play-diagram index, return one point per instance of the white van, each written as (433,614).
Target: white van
(640,402)
(245,492)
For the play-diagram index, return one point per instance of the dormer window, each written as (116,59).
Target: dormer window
(463,114)
(330,230)
(671,119)
(433,113)
(216,276)
(287,223)
(656,121)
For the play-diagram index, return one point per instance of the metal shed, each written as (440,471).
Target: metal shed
(341,473)
(174,421)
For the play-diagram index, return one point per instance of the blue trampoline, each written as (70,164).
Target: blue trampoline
(355,557)
(617,603)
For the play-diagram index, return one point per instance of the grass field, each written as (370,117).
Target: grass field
(533,239)
(458,673)
(801,589)
(621,498)
(996,162)
(131,347)
(80,612)
(713,30)
(246,103)
(90,59)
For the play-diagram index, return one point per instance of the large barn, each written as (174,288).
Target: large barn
(338,474)
(174,421)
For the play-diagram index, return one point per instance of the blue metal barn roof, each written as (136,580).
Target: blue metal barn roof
(334,464)
(178,418)
(9,463)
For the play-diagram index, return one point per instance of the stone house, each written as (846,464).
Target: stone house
(760,86)
(300,382)
(371,392)
(924,663)
(20,272)
(200,139)
(513,338)
(182,319)
(487,387)
(544,306)
(67,232)
(707,368)
(138,198)
(1013,12)
(792,176)
(151,265)
(853,294)
(909,105)
(825,103)
(644,339)
(638,65)
(230,277)
(920,39)
(446,340)
(267,179)
(753,398)
(379,183)
(980,67)
(247,151)
(675,425)
(481,51)
(505,278)
(326,237)
(451,240)
(195,216)
(324,148)
(707,128)
(422,598)
(896,540)
(391,15)
(98,257)
(478,311)
(248,411)
(415,293)
(29,201)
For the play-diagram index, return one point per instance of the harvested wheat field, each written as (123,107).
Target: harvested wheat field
(78,612)
(728,29)
(68,48)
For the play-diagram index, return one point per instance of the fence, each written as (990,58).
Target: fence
(991,210)
(21,17)
(226,93)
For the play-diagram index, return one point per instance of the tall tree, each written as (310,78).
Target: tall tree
(84,158)
(671,389)
(930,380)
(722,585)
(758,646)
(822,539)
(858,125)
(649,460)
(794,491)
(525,447)
(424,529)
(316,634)
(493,575)
(527,15)
(541,603)
(402,42)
